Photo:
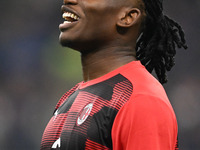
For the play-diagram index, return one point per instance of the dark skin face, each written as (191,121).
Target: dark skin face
(103,31)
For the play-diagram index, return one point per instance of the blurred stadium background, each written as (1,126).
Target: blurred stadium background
(35,71)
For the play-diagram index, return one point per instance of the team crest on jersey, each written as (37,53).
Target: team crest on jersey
(84,114)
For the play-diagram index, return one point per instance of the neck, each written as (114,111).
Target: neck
(98,63)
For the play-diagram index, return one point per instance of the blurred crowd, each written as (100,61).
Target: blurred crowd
(35,71)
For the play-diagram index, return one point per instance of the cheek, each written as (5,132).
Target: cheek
(94,5)
(100,15)
(98,28)
(99,8)
(100,22)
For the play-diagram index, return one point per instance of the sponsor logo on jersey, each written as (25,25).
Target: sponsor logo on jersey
(84,114)
(56,144)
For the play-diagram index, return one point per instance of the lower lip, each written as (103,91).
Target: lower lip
(66,25)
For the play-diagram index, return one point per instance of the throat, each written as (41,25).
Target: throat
(97,64)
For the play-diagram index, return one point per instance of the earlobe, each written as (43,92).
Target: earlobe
(129,17)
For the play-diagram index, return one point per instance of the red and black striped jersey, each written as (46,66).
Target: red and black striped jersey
(126,109)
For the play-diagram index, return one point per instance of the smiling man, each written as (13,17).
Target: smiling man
(119,105)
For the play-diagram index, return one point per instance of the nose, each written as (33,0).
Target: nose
(72,2)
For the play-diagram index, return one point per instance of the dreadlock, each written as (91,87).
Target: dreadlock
(157,44)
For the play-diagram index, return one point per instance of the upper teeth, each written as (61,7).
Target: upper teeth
(71,15)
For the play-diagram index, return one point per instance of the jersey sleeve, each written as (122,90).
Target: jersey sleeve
(145,123)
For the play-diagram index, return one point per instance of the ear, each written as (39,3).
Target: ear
(128,17)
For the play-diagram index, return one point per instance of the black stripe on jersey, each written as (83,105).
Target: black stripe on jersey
(100,127)
(105,89)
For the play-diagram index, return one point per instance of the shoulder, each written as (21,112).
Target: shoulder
(147,115)
(148,94)
(145,106)
(143,82)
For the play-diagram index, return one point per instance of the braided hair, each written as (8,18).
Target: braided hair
(156,46)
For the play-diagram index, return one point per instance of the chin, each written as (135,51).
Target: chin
(78,44)
(64,41)
(68,43)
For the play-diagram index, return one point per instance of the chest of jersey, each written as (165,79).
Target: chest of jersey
(84,120)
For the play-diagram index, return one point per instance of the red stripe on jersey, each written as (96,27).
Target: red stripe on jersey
(91,145)
(53,130)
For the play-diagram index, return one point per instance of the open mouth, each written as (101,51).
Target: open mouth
(70,17)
